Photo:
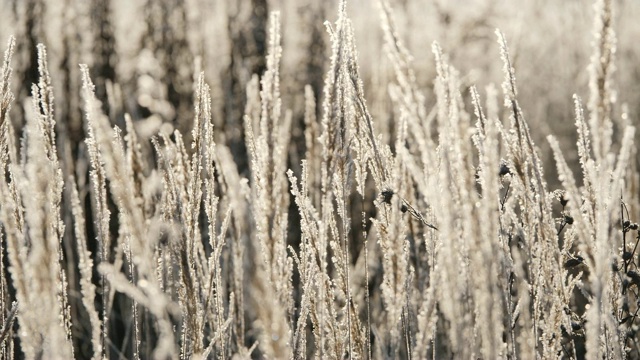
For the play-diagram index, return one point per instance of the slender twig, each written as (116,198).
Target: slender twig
(387,195)
(8,324)
(405,329)
(504,198)
(365,114)
(366,276)
(407,321)
(347,260)
(634,249)
(416,214)
(562,225)
(624,233)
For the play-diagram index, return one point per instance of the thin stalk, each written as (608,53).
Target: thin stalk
(366,277)
(345,244)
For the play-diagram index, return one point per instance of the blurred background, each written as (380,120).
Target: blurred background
(144,55)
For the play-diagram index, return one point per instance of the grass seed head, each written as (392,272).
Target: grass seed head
(387,195)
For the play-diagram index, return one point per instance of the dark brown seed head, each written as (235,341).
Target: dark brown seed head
(563,201)
(504,170)
(573,262)
(387,194)
(634,276)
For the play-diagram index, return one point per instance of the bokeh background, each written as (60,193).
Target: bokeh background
(146,52)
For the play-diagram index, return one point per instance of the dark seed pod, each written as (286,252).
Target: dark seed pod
(573,262)
(563,201)
(568,219)
(626,224)
(634,276)
(504,170)
(633,226)
(576,326)
(627,255)
(404,208)
(387,194)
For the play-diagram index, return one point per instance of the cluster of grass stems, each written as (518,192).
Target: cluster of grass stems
(439,238)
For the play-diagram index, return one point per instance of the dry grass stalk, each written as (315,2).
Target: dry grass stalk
(438,236)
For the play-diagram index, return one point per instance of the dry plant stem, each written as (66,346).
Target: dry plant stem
(366,276)
(335,141)
(345,244)
(601,71)
(123,190)
(8,322)
(267,143)
(86,268)
(100,207)
(135,169)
